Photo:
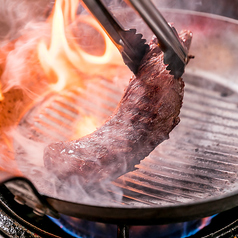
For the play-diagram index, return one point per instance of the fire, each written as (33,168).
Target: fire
(66,63)
(87,125)
(55,59)
(64,59)
(53,63)
(1,94)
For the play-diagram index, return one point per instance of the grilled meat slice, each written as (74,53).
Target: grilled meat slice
(146,114)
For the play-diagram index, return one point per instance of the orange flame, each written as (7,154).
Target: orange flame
(65,63)
(1,95)
(64,60)
(85,126)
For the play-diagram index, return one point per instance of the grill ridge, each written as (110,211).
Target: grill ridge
(198,161)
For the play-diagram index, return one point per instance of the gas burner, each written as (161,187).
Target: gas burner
(19,221)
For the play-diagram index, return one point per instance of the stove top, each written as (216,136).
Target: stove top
(20,221)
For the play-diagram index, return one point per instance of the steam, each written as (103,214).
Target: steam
(17,70)
(16,15)
(29,154)
(22,25)
(21,71)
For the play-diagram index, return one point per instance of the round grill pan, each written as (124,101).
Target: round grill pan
(194,173)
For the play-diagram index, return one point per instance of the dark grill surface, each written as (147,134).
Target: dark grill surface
(197,162)
(200,158)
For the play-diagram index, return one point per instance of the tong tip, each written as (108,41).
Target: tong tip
(134,49)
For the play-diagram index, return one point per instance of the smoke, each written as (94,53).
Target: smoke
(29,154)
(219,7)
(15,15)
(22,24)
(32,135)
(21,70)
(20,21)
(21,63)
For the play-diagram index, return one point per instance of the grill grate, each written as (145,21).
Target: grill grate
(200,159)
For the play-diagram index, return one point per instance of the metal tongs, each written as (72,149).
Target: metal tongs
(132,46)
